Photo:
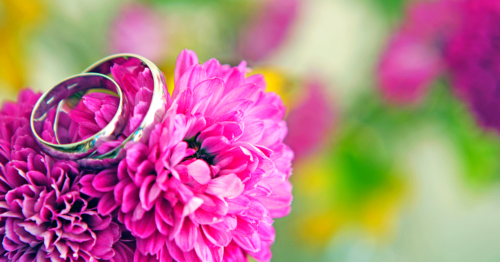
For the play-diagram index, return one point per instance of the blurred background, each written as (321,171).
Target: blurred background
(393,106)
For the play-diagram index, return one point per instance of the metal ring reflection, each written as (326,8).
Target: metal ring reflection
(64,90)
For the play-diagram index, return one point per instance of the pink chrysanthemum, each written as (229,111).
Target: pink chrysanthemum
(213,174)
(43,217)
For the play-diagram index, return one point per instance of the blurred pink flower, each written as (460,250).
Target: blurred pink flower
(213,175)
(407,69)
(139,30)
(310,123)
(414,56)
(268,29)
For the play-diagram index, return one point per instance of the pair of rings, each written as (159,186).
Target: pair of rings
(85,152)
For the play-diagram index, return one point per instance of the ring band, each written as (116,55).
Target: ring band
(65,89)
(155,112)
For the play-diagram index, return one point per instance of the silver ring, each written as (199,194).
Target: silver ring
(155,112)
(65,89)
(85,152)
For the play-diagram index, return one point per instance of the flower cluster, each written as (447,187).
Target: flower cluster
(460,37)
(213,174)
(43,215)
(204,186)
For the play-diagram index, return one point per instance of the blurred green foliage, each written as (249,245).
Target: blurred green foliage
(392,9)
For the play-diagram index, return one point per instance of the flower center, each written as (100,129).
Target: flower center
(200,153)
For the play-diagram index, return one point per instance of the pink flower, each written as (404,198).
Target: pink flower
(213,175)
(43,216)
(139,30)
(407,70)
(93,114)
(269,29)
(311,122)
(414,56)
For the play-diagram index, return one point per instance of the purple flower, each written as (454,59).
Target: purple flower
(473,56)
(43,216)
(461,38)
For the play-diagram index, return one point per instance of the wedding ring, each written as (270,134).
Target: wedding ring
(64,90)
(87,152)
(154,114)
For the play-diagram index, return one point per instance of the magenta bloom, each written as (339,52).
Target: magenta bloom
(414,55)
(269,29)
(43,216)
(213,175)
(473,56)
(315,113)
(459,37)
(139,30)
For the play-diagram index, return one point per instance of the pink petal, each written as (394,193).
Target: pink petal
(104,242)
(175,251)
(212,67)
(185,60)
(187,237)
(279,202)
(149,192)
(253,131)
(194,75)
(107,204)
(105,181)
(204,217)
(144,227)
(130,198)
(251,243)
(192,205)
(88,188)
(152,244)
(165,211)
(217,237)
(201,248)
(199,171)
(229,186)
(213,145)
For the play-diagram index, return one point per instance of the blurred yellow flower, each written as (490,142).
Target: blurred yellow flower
(338,199)
(17,21)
